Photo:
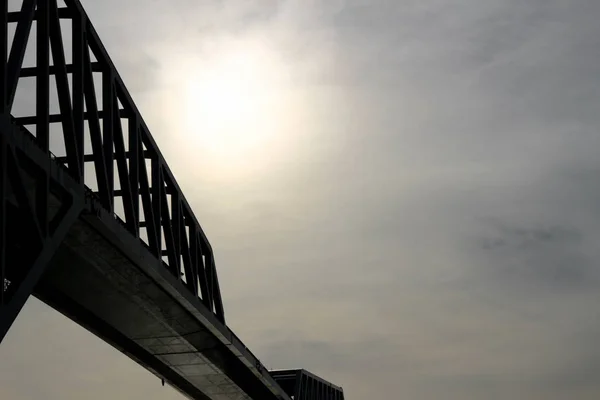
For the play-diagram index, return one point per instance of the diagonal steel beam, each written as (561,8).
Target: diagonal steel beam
(123,173)
(17,51)
(9,312)
(64,97)
(95,134)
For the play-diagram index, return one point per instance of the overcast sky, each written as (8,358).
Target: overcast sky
(404,199)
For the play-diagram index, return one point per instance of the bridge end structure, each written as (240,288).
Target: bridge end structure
(300,384)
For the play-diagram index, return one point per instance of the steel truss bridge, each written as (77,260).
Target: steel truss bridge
(94,224)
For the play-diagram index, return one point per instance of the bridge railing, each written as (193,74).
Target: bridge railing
(99,135)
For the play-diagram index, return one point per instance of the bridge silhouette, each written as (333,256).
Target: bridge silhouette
(94,224)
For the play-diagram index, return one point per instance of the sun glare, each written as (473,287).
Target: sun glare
(229,104)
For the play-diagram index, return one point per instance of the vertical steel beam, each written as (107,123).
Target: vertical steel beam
(216,290)
(319,390)
(198,264)
(17,51)
(152,229)
(78,43)
(305,389)
(3,55)
(176,227)
(208,263)
(298,385)
(191,277)
(167,226)
(108,97)
(157,184)
(3,221)
(134,174)
(42,107)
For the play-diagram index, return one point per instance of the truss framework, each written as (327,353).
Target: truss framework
(104,154)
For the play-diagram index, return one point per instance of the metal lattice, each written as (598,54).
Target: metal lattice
(104,151)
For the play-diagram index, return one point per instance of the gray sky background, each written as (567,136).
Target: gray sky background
(421,221)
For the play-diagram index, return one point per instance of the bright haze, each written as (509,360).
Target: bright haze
(403,196)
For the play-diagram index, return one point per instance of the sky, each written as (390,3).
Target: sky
(402,196)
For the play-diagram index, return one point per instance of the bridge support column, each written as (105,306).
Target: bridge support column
(29,234)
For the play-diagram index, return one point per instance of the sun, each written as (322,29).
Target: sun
(229,104)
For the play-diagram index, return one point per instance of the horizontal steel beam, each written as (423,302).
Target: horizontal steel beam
(28,72)
(91,157)
(63,13)
(56,118)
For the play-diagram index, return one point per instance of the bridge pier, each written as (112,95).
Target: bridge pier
(29,235)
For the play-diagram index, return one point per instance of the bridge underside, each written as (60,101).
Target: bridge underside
(89,267)
(91,281)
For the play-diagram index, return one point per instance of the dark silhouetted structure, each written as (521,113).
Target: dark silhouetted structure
(302,385)
(93,223)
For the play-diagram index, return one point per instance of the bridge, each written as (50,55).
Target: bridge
(94,224)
